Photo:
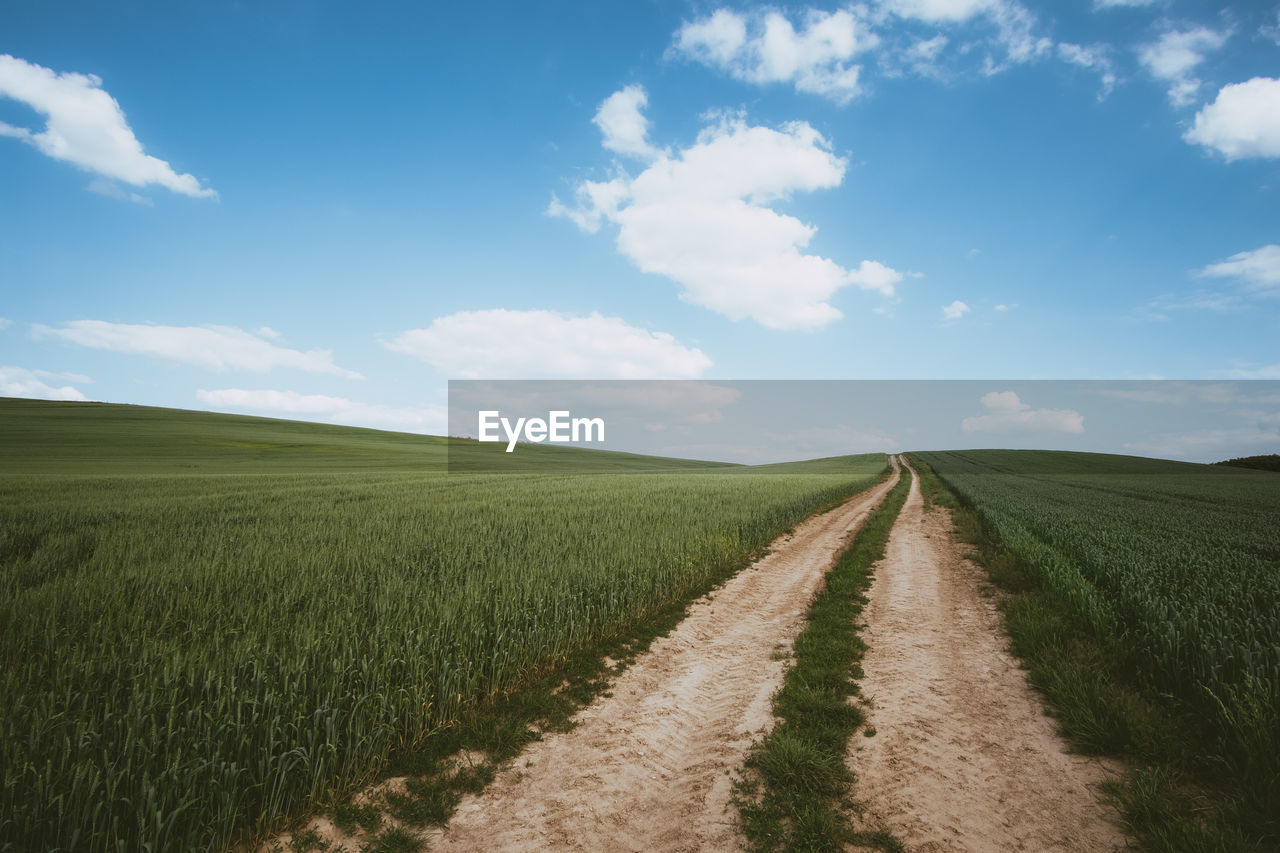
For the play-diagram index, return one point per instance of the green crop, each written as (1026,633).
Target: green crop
(1176,564)
(209,622)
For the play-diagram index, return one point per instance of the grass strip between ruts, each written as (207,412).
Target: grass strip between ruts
(796,792)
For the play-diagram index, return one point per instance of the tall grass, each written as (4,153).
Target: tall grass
(192,657)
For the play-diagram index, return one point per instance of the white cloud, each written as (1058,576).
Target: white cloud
(700,218)
(1175,54)
(1003,307)
(1243,121)
(1014,24)
(1258,269)
(625,128)
(955,310)
(1094,57)
(85,126)
(212,347)
(766,48)
(1007,413)
(1114,4)
(20,382)
(922,55)
(501,344)
(940,11)
(320,407)
(5,323)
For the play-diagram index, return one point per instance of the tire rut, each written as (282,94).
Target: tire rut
(964,757)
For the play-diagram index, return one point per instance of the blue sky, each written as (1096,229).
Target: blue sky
(323,211)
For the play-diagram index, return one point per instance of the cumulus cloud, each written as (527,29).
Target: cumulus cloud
(1005,412)
(625,127)
(502,344)
(701,218)
(320,407)
(765,47)
(86,127)
(955,310)
(1175,55)
(1243,121)
(1259,269)
(20,382)
(213,347)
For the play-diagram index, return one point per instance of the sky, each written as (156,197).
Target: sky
(325,210)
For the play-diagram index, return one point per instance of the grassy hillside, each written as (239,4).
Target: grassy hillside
(212,622)
(38,436)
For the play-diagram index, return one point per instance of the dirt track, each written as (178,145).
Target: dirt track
(964,757)
(650,767)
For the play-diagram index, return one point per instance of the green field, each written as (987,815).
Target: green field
(1174,569)
(210,622)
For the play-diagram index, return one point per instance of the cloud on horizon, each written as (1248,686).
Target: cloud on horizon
(32,385)
(1007,413)
(321,407)
(502,344)
(212,347)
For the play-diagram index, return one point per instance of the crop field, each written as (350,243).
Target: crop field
(208,621)
(1176,564)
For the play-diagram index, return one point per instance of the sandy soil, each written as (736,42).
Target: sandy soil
(650,766)
(964,757)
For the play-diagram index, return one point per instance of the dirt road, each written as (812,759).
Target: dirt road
(650,766)
(963,757)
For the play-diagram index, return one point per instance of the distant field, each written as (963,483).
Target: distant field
(1177,565)
(209,619)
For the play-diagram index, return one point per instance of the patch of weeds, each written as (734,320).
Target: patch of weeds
(394,840)
(796,793)
(308,841)
(349,818)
